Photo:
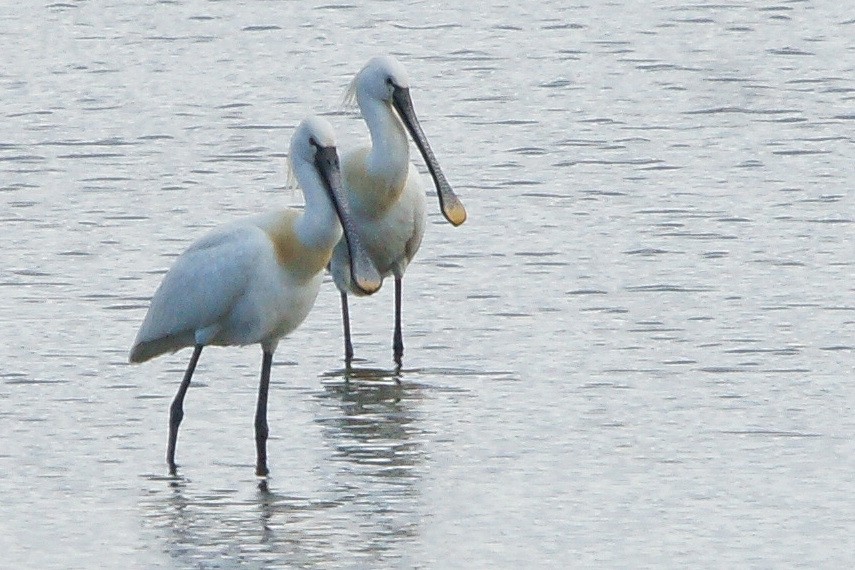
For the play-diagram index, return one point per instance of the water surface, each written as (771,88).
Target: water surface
(638,351)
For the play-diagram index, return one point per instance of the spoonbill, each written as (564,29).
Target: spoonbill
(255,280)
(384,188)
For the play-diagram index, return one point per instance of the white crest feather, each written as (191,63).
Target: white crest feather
(290,177)
(349,99)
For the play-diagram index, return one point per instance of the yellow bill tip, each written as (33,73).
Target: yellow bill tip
(369,286)
(455,213)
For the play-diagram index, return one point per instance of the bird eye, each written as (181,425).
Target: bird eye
(313,142)
(389,82)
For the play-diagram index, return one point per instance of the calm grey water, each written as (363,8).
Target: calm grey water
(637,352)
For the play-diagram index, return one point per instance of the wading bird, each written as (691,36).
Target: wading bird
(384,188)
(254,281)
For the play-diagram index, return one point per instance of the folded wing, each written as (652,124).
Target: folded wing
(199,291)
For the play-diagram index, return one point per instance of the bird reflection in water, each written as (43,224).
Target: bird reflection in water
(365,512)
(372,425)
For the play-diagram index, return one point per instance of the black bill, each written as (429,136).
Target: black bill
(451,206)
(365,276)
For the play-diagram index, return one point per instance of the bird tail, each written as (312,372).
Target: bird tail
(146,350)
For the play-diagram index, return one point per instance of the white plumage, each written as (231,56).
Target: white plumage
(255,280)
(228,288)
(384,189)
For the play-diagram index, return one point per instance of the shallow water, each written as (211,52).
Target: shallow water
(638,351)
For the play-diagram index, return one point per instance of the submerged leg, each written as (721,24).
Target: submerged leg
(345,318)
(261,430)
(398,339)
(176,410)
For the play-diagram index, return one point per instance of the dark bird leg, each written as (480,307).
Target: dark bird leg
(398,339)
(345,318)
(176,410)
(261,430)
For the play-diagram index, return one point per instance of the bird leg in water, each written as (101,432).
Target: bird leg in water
(176,410)
(398,339)
(345,318)
(261,430)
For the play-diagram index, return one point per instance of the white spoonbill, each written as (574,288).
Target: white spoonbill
(384,188)
(255,280)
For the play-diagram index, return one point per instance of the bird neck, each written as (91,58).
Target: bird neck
(319,226)
(389,158)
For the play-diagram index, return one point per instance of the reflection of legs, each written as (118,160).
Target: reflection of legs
(345,317)
(261,430)
(398,339)
(176,410)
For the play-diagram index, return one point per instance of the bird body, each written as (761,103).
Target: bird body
(250,282)
(384,189)
(255,280)
(390,226)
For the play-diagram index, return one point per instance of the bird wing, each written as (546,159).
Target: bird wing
(201,287)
